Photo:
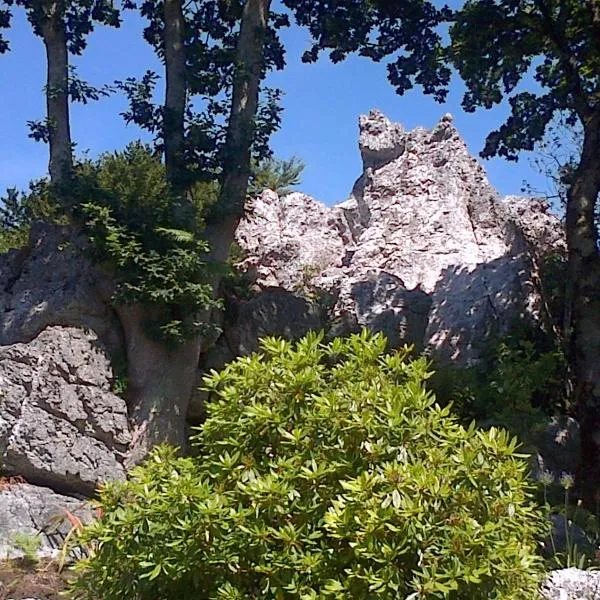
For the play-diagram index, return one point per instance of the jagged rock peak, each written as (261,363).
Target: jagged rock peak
(424,249)
(382,141)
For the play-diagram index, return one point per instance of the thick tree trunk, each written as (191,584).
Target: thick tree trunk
(57,97)
(176,91)
(583,328)
(160,384)
(161,380)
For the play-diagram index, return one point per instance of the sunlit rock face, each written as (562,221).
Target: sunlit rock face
(424,249)
(60,424)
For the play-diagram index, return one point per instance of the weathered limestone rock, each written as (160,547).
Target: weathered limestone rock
(572,584)
(288,241)
(29,510)
(424,250)
(60,425)
(53,282)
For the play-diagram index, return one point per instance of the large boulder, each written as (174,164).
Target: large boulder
(60,424)
(424,249)
(572,584)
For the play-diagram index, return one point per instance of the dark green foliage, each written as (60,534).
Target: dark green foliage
(149,237)
(406,32)
(19,210)
(323,471)
(496,44)
(210,39)
(518,384)
(281,176)
(78,17)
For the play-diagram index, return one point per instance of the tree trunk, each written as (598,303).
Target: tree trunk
(583,330)
(57,97)
(176,91)
(161,380)
(160,384)
(240,132)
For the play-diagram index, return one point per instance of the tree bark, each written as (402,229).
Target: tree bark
(57,97)
(240,131)
(583,330)
(161,380)
(176,92)
(160,384)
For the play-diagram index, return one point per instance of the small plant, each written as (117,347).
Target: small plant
(19,210)
(568,517)
(324,470)
(280,176)
(28,544)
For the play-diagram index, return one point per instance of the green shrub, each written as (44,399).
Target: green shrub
(28,544)
(324,471)
(18,210)
(149,237)
(518,384)
(278,175)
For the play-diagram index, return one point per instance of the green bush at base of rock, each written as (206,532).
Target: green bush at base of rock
(324,471)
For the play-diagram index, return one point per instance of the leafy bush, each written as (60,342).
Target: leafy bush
(28,544)
(518,384)
(149,237)
(323,471)
(19,210)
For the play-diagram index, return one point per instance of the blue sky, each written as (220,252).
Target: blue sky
(320,122)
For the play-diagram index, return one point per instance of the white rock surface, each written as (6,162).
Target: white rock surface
(31,510)
(424,249)
(572,584)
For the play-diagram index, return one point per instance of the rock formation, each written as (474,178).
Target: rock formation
(60,424)
(424,249)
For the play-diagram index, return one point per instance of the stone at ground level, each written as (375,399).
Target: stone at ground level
(28,510)
(572,584)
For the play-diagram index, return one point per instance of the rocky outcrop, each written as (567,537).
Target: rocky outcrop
(51,281)
(424,249)
(60,425)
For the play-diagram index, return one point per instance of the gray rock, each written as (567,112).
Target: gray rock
(273,312)
(60,425)
(424,249)
(380,141)
(287,241)
(52,282)
(29,510)
(572,584)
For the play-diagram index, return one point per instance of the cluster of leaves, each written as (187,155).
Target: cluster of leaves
(280,176)
(518,383)
(28,544)
(323,471)
(211,38)
(19,210)
(149,237)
